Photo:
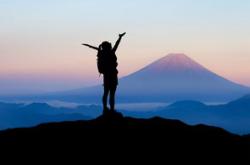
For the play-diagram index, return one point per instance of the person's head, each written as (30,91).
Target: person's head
(106,46)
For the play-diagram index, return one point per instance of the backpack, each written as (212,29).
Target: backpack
(100,62)
(106,63)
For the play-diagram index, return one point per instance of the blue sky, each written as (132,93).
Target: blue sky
(40,40)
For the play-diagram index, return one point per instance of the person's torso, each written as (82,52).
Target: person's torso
(110,63)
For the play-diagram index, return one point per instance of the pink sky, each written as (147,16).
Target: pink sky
(40,42)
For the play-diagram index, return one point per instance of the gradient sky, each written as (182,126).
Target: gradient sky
(40,41)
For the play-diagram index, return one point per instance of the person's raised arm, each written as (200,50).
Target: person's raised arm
(92,47)
(118,42)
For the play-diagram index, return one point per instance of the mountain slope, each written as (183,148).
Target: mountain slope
(177,77)
(113,135)
(172,78)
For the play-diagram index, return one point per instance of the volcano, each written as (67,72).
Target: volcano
(172,78)
(178,77)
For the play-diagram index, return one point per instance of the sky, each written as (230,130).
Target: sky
(40,41)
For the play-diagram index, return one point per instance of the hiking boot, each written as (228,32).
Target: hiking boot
(105,110)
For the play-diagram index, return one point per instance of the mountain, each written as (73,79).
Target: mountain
(242,103)
(233,116)
(177,77)
(21,115)
(114,137)
(172,78)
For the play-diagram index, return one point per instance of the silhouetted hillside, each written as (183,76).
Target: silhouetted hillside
(233,116)
(116,136)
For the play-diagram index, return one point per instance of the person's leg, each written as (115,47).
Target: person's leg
(105,98)
(112,98)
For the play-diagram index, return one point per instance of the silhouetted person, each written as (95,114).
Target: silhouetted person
(107,65)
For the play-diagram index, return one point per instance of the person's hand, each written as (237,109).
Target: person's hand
(121,35)
(85,44)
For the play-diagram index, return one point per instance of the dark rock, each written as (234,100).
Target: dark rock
(114,136)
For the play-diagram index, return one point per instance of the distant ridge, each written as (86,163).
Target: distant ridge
(233,116)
